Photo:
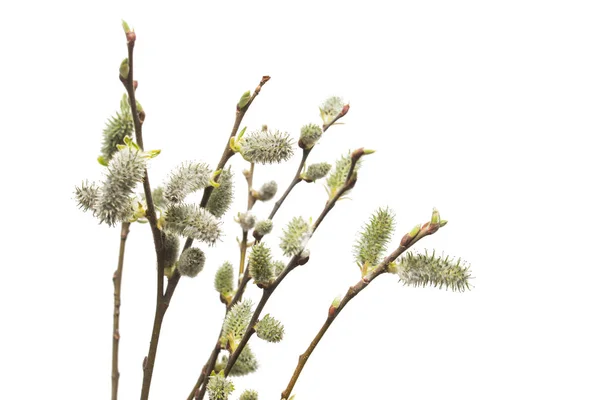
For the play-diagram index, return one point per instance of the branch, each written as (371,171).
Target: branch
(161,308)
(334,311)
(117,311)
(294,261)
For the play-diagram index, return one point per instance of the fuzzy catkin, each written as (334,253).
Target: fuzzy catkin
(192,221)
(236,322)
(424,269)
(171,248)
(260,264)
(186,179)
(269,329)
(331,109)
(266,147)
(125,170)
(267,191)
(219,387)
(245,364)
(116,129)
(295,237)
(374,238)
(87,195)
(191,262)
(222,196)
(224,279)
(263,227)
(249,394)
(317,171)
(310,135)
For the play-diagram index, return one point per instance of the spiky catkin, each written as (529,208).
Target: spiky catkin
(278,267)
(331,108)
(337,178)
(374,238)
(236,322)
(295,237)
(222,196)
(424,269)
(269,329)
(317,171)
(87,195)
(171,245)
(249,394)
(116,129)
(191,262)
(158,196)
(125,170)
(263,227)
(245,364)
(186,179)
(260,264)
(192,221)
(267,191)
(224,278)
(219,387)
(266,147)
(310,135)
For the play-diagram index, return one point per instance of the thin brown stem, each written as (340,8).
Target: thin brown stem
(117,311)
(293,183)
(157,236)
(350,294)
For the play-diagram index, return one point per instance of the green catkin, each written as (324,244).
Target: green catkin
(224,279)
(222,196)
(219,387)
(295,237)
(424,269)
(263,227)
(374,238)
(317,171)
(310,135)
(192,221)
(116,129)
(191,262)
(186,179)
(260,264)
(266,147)
(269,329)
(171,248)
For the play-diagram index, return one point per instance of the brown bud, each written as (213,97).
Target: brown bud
(130,36)
(358,153)
(344,111)
(135,85)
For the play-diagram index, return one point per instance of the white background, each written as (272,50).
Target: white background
(486,110)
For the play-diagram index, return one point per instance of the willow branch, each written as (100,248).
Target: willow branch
(117,311)
(227,154)
(160,309)
(294,262)
(350,294)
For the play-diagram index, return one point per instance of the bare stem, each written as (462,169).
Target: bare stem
(350,294)
(117,311)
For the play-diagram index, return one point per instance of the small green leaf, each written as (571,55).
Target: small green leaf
(125,26)
(102,161)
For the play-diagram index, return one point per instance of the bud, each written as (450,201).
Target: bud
(266,192)
(264,227)
(334,306)
(244,100)
(246,220)
(309,135)
(269,329)
(191,262)
(316,171)
(124,69)
(331,108)
(303,257)
(338,177)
